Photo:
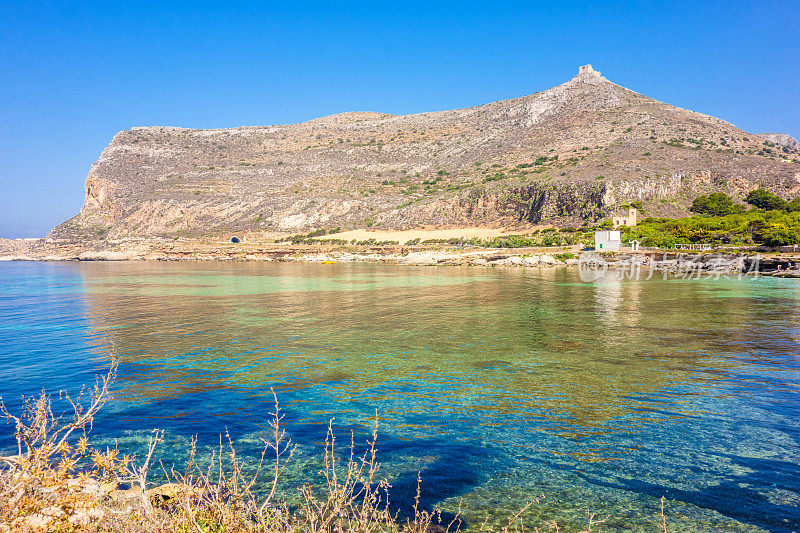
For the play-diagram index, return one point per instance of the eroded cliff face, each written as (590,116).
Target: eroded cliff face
(781,140)
(571,153)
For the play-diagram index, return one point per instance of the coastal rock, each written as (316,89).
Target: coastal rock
(44,519)
(17,249)
(420,258)
(83,516)
(105,255)
(124,495)
(169,493)
(317,258)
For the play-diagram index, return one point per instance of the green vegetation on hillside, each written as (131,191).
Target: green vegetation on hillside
(772,222)
(765,200)
(717,204)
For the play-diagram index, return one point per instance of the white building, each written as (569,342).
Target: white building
(607,241)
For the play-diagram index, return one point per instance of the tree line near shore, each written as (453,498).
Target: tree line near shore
(769,221)
(719,220)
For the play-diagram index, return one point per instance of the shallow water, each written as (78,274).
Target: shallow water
(498,385)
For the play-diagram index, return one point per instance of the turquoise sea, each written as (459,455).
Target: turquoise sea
(497,385)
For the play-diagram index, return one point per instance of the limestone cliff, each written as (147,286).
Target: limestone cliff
(564,155)
(782,140)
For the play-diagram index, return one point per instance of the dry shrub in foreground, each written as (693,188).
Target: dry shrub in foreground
(57,481)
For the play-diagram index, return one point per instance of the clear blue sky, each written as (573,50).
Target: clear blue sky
(74,74)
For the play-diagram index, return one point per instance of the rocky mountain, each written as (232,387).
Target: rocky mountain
(781,139)
(572,153)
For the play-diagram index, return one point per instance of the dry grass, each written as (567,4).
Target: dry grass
(57,481)
(403,236)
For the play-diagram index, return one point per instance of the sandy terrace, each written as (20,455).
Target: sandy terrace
(403,236)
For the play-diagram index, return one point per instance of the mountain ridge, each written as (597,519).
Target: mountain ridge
(568,154)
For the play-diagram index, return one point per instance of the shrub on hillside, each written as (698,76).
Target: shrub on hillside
(771,228)
(793,206)
(766,200)
(717,204)
(781,236)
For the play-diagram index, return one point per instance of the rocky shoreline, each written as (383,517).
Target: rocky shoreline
(773,264)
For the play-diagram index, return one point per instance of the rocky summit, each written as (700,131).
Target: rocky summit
(569,154)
